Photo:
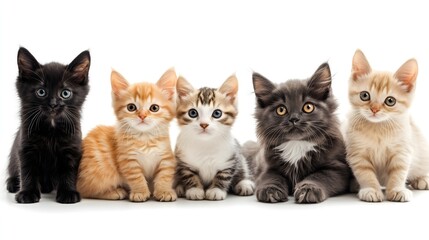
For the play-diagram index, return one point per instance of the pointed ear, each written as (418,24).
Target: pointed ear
(407,74)
(119,83)
(360,66)
(27,63)
(167,83)
(230,88)
(319,84)
(184,88)
(79,67)
(263,88)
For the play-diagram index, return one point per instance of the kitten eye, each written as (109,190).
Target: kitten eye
(66,93)
(217,113)
(193,113)
(390,101)
(154,108)
(41,92)
(281,110)
(364,96)
(308,108)
(131,107)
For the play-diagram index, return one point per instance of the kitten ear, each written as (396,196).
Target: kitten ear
(230,88)
(407,74)
(167,83)
(360,65)
(79,67)
(320,83)
(27,63)
(183,87)
(263,88)
(119,83)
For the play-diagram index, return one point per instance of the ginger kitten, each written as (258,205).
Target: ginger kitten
(384,146)
(135,156)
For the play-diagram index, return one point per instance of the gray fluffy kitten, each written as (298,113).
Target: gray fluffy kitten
(300,149)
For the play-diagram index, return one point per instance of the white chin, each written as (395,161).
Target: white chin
(375,119)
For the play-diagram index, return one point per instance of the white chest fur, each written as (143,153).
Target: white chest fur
(206,157)
(293,151)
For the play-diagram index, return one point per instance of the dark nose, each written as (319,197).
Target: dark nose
(53,103)
(204,125)
(294,118)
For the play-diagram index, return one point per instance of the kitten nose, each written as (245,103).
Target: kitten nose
(53,103)
(204,125)
(142,115)
(294,118)
(375,109)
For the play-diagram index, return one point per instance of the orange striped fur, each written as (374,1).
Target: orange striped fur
(133,158)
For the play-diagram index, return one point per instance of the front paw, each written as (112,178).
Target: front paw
(399,195)
(13,184)
(271,194)
(165,195)
(27,197)
(142,196)
(68,196)
(370,195)
(309,192)
(195,194)
(215,194)
(421,183)
(245,188)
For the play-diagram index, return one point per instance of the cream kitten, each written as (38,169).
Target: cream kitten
(384,146)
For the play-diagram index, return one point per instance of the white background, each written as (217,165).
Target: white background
(206,41)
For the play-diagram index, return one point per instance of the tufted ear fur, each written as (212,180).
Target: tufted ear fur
(360,65)
(167,83)
(263,89)
(407,74)
(230,88)
(119,83)
(319,84)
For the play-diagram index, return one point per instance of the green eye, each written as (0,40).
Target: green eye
(131,107)
(390,101)
(364,96)
(308,108)
(154,108)
(281,110)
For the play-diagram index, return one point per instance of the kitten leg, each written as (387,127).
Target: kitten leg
(191,182)
(364,171)
(68,165)
(132,172)
(46,183)
(163,182)
(242,183)
(220,185)
(421,183)
(271,187)
(320,185)
(13,183)
(397,171)
(30,191)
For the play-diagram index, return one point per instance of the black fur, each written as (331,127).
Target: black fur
(46,153)
(319,174)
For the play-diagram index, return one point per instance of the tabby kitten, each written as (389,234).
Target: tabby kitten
(133,158)
(47,149)
(301,149)
(209,162)
(384,146)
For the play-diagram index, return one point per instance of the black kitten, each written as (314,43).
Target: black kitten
(47,149)
(302,150)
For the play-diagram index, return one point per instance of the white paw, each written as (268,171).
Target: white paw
(399,195)
(195,194)
(421,183)
(245,187)
(215,194)
(370,195)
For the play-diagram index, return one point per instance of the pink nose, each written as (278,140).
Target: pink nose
(375,109)
(204,125)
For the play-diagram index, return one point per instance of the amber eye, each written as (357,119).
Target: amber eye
(364,96)
(281,110)
(390,101)
(154,108)
(308,108)
(131,107)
